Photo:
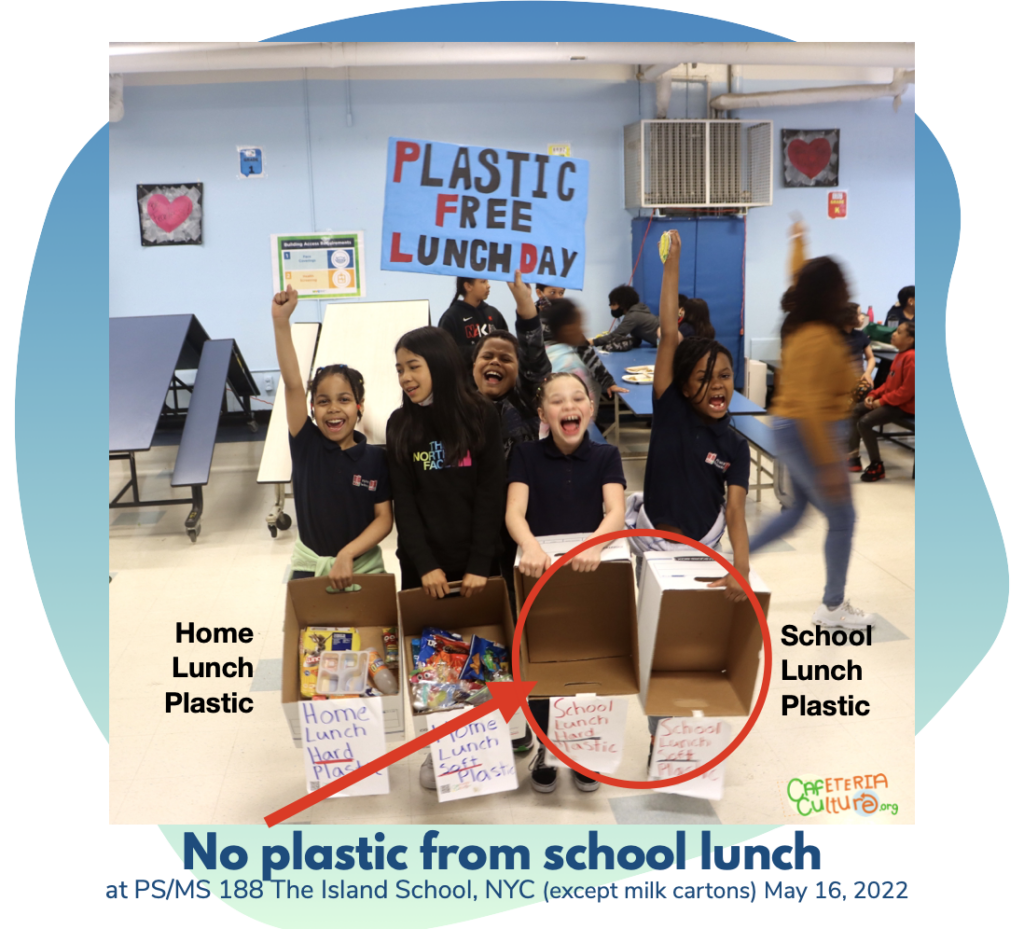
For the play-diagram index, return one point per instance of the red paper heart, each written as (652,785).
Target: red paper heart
(169,214)
(809,158)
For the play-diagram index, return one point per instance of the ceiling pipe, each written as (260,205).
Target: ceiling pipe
(268,55)
(651,73)
(664,95)
(116,98)
(807,95)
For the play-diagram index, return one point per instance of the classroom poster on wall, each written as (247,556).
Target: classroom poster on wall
(684,743)
(319,265)
(473,760)
(467,211)
(340,736)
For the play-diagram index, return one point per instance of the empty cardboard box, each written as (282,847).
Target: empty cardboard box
(485,614)
(368,609)
(581,634)
(698,650)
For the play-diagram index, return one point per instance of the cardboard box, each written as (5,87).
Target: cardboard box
(368,609)
(698,651)
(486,614)
(581,634)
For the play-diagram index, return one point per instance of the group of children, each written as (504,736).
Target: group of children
(467,476)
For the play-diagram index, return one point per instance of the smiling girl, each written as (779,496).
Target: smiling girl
(507,370)
(342,492)
(563,484)
(447,469)
(697,467)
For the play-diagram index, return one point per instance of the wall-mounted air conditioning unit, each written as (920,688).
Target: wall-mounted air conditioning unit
(698,163)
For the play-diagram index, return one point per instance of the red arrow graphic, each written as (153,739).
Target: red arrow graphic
(505,696)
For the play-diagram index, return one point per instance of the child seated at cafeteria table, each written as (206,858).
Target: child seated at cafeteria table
(891,402)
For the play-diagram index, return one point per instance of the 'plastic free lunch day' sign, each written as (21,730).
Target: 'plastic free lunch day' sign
(465,211)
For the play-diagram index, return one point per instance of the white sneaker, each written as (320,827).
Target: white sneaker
(427,778)
(845,615)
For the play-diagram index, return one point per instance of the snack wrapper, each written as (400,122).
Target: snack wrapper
(487,660)
(442,657)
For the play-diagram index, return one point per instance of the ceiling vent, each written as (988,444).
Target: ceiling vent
(698,163)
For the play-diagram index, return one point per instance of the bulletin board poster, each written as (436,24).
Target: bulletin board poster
(462,210)
(319,265)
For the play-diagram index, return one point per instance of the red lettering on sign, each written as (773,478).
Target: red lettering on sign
(404,151)
(445,204)
(396,248)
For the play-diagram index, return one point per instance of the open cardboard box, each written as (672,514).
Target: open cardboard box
(485,614)
(698,651)
(581,634)
(368,609)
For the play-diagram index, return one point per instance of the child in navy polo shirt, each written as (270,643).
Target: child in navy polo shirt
(342,492)
(698,469)
(562,484)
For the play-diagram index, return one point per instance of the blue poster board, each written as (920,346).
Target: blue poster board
(460,210)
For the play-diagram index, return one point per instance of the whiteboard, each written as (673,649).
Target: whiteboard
(363,336)
(276,463)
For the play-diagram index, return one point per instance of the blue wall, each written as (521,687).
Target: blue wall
(172,134)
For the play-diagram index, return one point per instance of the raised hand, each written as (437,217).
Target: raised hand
(284,303)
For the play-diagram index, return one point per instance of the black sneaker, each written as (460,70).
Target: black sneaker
(875,472)
(543,777)
(584,783)
(523,745)
(854,464)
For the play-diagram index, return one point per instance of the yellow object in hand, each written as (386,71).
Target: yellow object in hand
(663,246)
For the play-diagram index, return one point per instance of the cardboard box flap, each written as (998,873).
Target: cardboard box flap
(486,607)
(679,693)
(558,545)
(375,598)
(684,571)
(582,616)
(601,676)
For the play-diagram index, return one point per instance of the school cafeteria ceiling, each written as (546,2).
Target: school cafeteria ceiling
(646,61)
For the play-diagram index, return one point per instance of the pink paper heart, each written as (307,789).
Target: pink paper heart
(169,214)
(810,159)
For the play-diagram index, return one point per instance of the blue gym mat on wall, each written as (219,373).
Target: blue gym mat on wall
(710,267)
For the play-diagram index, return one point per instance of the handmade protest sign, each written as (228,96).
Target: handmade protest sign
(340,736)
(484,212)
(591,730)
(475,759)
(682,744)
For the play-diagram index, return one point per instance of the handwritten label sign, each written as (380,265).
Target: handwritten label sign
(339,736)
(474,760)
(683,743)
(484,212)
(589,729)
